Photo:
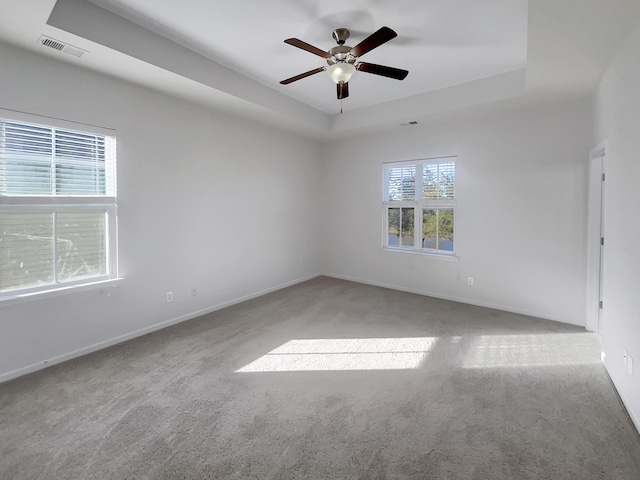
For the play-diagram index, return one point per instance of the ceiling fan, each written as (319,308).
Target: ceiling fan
(344,60)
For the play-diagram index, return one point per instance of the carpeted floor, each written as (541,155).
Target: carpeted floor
(327,379)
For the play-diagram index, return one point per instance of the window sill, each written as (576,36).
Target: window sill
(440,256)
(11,298)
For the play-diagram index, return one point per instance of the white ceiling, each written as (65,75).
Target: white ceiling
(459,53)
(440,43)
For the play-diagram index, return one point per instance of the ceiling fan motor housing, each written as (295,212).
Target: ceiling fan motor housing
(341,52)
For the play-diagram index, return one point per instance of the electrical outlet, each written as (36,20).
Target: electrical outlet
(630,364)
(169,296)
(469,280)
(194,292)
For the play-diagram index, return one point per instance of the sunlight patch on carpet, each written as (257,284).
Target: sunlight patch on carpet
(553,349)
(327,354)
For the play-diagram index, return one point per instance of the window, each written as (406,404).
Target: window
(419,205)
(57,208)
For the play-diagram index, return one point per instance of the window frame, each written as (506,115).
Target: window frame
(419,204)
(63,203)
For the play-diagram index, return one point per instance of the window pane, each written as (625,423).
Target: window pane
(438,181)
(26,249)
(394,227)
(80,163)
(408,183)
(446,179)
(82,249)
(21,138)
(25,159)
(429,226)
(401,183)
(24,175)
(41,160)
(430,181)
(406,233)
(445,229)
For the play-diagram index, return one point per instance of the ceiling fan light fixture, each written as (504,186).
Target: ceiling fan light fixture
(341,72)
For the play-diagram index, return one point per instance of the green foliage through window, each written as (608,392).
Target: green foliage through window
(437,229)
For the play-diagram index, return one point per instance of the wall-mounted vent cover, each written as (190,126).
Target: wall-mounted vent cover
(60,46)
(407,124)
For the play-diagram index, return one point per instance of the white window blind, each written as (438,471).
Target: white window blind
(438,180)
(39,160)
(401,183)
(57,208)
(419,205)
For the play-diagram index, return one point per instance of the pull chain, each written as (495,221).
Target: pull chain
(340,105)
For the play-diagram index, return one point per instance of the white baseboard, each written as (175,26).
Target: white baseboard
(635,419)
(4,377)
(476,303)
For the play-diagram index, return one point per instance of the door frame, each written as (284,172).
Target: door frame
(595,237)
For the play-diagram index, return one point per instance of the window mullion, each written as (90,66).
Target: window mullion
(3,182)
(417,227)
(417,218)
(55,247)
(400,231)
(385,223)
(107,233)
(54,167)
(437,229)
(419,182)
(96,166)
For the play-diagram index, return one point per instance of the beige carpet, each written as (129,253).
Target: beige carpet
(327,379)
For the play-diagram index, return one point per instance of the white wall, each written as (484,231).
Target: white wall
(520,215)
(617,119)
(204,200)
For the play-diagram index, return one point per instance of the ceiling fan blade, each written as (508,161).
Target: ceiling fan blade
(343,90)
(383,70)
(309,48)
(303,75)
(372,41)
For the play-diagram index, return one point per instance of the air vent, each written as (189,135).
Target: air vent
(50,42)
(61,47)
(407,124)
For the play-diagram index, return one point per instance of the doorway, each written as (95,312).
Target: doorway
(595,238)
